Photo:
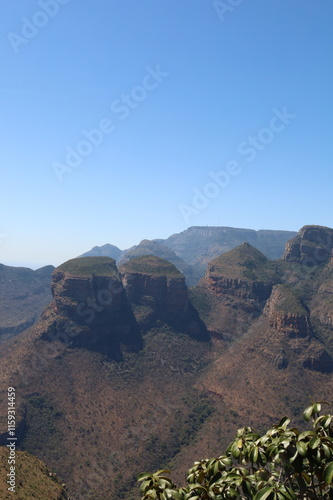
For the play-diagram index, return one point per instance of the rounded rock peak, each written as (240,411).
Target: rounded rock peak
(151,265)
(89,266)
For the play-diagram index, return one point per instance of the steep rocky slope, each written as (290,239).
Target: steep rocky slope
(24,294)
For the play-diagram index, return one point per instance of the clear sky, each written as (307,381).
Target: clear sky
(129,119)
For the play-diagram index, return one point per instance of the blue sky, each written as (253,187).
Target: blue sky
(124,120)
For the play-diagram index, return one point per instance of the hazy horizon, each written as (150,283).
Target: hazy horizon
(34,265)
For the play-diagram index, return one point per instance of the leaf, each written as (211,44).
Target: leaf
(307,413)
(235,451)
(289,494)
(301,448)
(162,471)
(328,473)
(263,493)
(305,434)
(284,422)
(327,451)
(143,476)
(317,408)
(314,443)
(326,420)
(254,454)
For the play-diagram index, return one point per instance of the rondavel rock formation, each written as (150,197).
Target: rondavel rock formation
(91,306)
(240,278)
(97,308)
(157,291)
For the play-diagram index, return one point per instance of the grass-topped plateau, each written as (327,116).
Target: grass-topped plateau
(150,264)
(90,266)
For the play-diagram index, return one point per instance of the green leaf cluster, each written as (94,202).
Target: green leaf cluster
(283,464)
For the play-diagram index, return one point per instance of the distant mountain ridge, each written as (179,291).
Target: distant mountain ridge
(191,250)
(104,251)
(24,294)
(200,244)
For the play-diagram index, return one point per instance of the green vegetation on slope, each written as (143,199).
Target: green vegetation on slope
(33,479)
(43,436)
(291,301)
(244,262)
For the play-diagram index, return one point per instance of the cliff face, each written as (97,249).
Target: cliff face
(92,307)
(242,289)
(312,246)
(286,313)
(167,296)
(291,321)
(157,292)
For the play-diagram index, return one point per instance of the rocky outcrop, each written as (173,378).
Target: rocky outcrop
(92,307)
(244,273)
(312,246)
(158,292)
(292,324)
(316,358)
(290,319)
(286,313)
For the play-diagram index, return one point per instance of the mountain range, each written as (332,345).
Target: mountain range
(128,369)
(191,250)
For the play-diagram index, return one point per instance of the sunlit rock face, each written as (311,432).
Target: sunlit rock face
(312,246)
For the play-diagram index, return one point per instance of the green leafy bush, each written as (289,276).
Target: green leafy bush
(283,464)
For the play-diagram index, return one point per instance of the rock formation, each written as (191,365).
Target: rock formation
(243,272)
(286,313)
(91,306)
(312,246)
(157,291)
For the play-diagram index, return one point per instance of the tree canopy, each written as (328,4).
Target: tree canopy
(283,464)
